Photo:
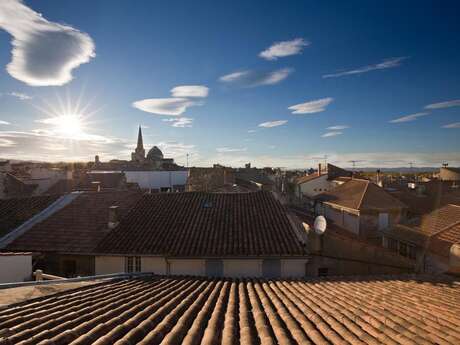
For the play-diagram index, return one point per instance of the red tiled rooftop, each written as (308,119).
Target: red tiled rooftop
(78,226)
(361,194)
(205,224)
(182,310)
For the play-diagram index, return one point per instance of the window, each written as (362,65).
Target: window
(412,252)
(323,272)
(403,249)
(133,264)
(392,244)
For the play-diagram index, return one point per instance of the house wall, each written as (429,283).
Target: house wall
(15,268)
(194,267)
(242,268)
(157,179)
(293,268)
(311,188)
(109,264)
(344,218)
(369,221)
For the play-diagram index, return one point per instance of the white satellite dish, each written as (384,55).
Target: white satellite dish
(320,225)
(306,227)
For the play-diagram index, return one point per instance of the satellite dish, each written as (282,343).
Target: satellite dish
(320,225)
(306,227)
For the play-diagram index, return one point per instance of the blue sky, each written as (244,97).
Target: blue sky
(357,64)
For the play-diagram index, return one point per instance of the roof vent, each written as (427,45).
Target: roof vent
(114,217)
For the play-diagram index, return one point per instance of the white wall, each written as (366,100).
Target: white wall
(15,268)
(157,179)
(194,267)
(109,264)
(308,188)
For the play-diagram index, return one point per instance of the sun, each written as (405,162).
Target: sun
(69,125)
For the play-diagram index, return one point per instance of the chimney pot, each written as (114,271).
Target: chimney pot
(114,219)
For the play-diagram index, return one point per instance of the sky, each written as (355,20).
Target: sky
(274,83)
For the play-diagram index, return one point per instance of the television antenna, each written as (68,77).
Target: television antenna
(320,158)
(353,162)
(320,225)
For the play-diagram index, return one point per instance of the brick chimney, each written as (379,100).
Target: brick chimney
(319,169)
(114,217)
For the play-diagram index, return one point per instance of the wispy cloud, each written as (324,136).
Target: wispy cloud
(284,48)
(230,149)
(409,118)
(19,95)
(387,63)
(338,128)
(250,78)
(311,107)
(452,125)
(331,134)
(252,130)
(44,53)
(4,122)
(271,124)
(190,91)
(175,148)
(164,106)
(441,105)
(180,122)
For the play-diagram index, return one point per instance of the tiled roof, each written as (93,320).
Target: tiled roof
(360,194)
(181,310)
(78,226)
(15,253)
(205,224)
(439,219)
(442,241)
(15,211)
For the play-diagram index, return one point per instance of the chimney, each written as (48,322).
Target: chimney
(113,217)
(319,169)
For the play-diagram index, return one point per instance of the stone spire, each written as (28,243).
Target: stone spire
(140,143)
(139,153)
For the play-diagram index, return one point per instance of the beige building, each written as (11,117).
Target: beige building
(15,267)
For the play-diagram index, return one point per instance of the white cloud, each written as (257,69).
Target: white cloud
(19,95)
(387,63)
(447,104)
(337,128)
(230,149)
(271,124)
(4,122)
(175,148)
(6,142)
(311,107)
(408,118)
(331,134)
(252,130)
(44,53)
(452,125)
(285,48)
(190,91)
(180,122)
(164,106)
(256,78)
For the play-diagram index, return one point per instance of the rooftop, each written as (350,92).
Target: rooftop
(77,227)
(361,194)
(15,211)
(185,310)
(205,224)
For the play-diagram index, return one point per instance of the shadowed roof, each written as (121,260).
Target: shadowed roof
(185,310)
(77,227)
(205,224)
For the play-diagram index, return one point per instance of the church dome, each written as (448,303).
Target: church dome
(155,154)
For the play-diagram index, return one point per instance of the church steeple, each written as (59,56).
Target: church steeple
(140,143)
(139,153)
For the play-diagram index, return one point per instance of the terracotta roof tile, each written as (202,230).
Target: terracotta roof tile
(360,194)
(78,226)
(205,224)
(182,310)
(15,211)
